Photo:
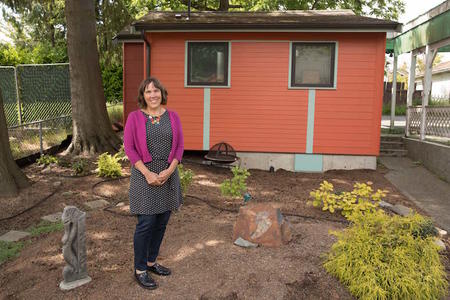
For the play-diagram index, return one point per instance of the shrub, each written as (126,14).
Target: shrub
(46,160)
(108,166)
(361,199)
(383,257)
(79,166)
(237,185)
(186,176)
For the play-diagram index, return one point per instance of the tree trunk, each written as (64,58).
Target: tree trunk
(92,131)
(224,5)
(11,177)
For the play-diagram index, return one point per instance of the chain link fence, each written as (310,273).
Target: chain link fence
(35,92)
(38,136)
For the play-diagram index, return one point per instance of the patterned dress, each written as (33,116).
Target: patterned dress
(147,199)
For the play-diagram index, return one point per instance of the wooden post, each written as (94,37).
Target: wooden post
(411,85)
(394,91)
(430,54)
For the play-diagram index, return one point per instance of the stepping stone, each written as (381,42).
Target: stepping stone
(56,217)
(13,236)
(440,244)
(97,204)
(384,204)
(401,210)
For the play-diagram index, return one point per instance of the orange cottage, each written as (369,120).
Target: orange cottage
(299,90)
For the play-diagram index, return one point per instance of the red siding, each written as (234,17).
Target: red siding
(259,113)
(133,74)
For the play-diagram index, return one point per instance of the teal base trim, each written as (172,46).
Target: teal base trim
(206,117)
(308,163)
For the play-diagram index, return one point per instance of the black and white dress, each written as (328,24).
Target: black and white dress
(147,199)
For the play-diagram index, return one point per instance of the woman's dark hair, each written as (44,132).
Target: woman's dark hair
(157,85)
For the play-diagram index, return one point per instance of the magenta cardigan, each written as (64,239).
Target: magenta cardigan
(135,142)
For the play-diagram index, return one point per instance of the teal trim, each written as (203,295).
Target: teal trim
(206,117)
(308,163)
(310,128)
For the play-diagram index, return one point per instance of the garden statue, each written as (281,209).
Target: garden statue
(74,248)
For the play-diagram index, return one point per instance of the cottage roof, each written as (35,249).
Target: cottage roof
(443,67)
(292,20)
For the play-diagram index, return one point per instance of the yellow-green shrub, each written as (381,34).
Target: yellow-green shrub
(108,166)
(47,160)
(383,257)
(361,199)
(235,186)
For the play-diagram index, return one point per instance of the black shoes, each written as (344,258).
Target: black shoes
(145,280)
(159,270)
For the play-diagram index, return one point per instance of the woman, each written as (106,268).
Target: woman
(153,142)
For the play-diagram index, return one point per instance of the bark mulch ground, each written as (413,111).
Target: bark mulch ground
(198,245)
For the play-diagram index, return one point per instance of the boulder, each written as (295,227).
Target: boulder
(262,224)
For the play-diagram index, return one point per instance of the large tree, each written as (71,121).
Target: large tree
(92,132)
(11,177)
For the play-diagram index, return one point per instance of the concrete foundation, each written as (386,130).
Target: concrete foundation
(435,157)
(305,162)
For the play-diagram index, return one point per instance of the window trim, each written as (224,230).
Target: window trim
(334,67)
(205,84)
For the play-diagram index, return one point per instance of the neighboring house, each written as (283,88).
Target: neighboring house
(440,81)
(299,90)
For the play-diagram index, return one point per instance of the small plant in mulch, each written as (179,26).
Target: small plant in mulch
(186,176)
(120,155)
(237,185)
(47,160)
(362,198)
(79,166)
(108,166)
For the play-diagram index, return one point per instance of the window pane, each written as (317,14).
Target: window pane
(208,63)
(314,64)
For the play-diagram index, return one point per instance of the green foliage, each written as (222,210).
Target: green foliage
(108,166)
(400,110)
(112,82)
(79,166)
(186,176)
(237,185)
(120,155)
(362,199)
(383,257)
(46,160)
(115,112)
(45,227)
(9,250)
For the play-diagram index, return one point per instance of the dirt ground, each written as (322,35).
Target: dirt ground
(198,244)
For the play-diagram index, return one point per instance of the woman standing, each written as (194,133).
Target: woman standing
(153,141)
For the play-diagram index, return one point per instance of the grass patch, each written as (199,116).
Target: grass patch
(45,227)
(115,112)
(400,110)
(9,250)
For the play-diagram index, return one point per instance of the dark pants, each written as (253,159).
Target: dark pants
(148,237)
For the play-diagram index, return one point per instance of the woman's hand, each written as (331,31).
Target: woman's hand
(152,178)
(164,175)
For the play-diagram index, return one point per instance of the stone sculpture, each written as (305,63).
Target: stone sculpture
(74,248)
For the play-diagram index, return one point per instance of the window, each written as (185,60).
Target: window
(207,63)
(313,65)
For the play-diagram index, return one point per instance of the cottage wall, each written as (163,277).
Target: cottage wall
(258,113)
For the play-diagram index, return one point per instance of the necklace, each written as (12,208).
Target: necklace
(155,119)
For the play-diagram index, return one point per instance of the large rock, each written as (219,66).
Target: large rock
(263,224)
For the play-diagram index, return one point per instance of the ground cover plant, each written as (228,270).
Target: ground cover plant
(381,256)
(186,176)
(108,166)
